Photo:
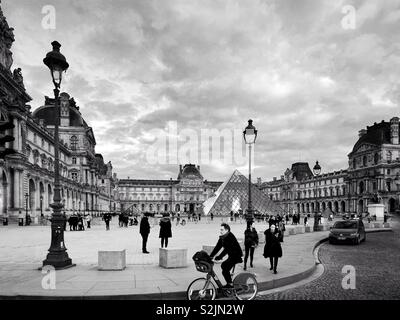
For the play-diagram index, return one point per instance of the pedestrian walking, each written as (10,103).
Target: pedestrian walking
(165,230)
(271,220)
(273,248)
(250,243)
(81,226)
(282,228)
(107,219)
(88,220)
(144,232)
(212,216)
(305,220)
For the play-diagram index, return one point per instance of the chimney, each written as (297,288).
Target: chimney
(180,168)
(394,130)
(198,168)
(274,178)
(282,178)
(362,132)
(259,181)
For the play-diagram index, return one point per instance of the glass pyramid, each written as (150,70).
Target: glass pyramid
(233,194)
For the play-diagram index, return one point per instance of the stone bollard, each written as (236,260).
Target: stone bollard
(173,257)
(299,229)
(112,260)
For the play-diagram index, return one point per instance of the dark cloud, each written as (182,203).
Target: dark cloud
(308,83)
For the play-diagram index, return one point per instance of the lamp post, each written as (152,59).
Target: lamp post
(316,171)
(250,136)
(26,208)
(41,209)
(57,256)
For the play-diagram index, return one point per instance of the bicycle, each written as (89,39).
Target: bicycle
(245,286)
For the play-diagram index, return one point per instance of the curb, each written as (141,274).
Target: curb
(181,295)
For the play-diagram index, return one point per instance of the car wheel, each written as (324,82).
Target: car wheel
(365,237)
(357,241)
(331,241)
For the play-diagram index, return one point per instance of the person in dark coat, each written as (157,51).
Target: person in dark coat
(271,220)
(107,219)
(231,246)
(144,232)
(250,243)
(272,248)
(165,230)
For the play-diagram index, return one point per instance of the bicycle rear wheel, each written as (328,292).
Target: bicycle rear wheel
(246,286)
(201,289)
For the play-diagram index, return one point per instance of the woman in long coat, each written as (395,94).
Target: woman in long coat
(273,248)
(165,230)
(250,243)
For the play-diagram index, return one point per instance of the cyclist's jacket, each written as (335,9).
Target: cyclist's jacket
(231,247)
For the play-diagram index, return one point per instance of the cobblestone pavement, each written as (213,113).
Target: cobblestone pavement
(376,264)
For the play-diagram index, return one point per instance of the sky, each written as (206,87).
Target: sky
(309,73)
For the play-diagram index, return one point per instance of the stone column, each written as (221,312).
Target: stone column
(17,136)
(17,189)
(4,200)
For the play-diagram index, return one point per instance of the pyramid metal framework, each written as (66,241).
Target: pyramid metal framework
(233,194)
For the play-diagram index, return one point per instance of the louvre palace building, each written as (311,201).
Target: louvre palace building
(185,194)
(373,168)
(27,176)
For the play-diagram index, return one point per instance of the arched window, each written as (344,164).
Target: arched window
(365,161)
(361,187)
(354,163)
(74,142)
(376,158)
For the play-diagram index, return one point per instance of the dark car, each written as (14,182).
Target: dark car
(347,231)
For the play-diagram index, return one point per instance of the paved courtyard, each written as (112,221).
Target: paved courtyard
(376,264)
(22,250)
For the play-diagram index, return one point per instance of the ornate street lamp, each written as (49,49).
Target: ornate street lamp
(250,136)
(57,256)
(317,172)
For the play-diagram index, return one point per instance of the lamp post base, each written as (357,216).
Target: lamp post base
(58,261)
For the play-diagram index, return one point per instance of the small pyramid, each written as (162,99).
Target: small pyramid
(233,195)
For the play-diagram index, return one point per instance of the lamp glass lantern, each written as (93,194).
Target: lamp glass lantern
(57,63)
(250,133)
(317,169)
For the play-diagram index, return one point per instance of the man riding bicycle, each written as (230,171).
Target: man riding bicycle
(228,241)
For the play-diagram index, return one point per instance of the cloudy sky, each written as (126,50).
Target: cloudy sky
(298,68)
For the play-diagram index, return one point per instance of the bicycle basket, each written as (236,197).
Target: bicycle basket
(203,261)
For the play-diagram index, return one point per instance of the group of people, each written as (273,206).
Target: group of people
(164,234)
(231,247)
(77,222)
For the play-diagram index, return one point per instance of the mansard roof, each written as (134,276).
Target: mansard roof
(377,134)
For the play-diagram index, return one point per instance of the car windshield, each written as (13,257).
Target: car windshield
(345,225)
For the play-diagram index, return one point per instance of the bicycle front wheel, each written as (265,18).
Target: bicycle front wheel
(245,286)
(201,289)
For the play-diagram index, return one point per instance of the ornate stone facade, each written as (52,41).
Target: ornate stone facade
(374,167)
(27,177)
(185,194)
